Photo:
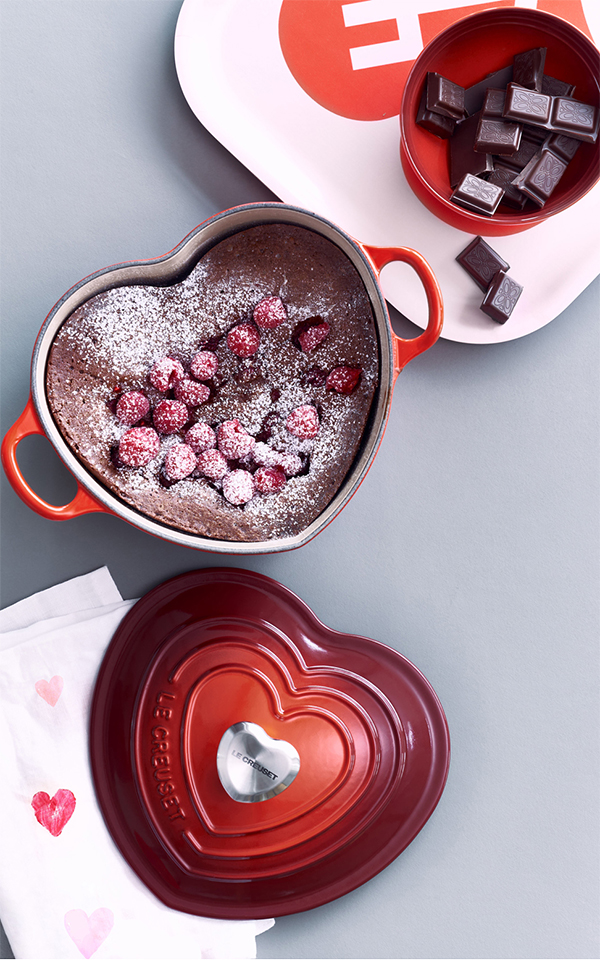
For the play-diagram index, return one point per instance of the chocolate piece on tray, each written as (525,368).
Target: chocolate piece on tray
(445,97)
(501,297)
(463,158)
(557,88)
(477,195)
(475,94)
(434,122)
(497,137)
(554,114)
(503,176)
(541,175)
(481,262)
(563,147)
(528,68)
(493,104)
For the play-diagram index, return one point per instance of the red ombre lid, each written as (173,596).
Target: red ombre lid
(251,762)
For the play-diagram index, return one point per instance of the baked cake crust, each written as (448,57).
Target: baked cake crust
(109,345)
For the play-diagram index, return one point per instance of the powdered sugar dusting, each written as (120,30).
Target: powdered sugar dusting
(112,342)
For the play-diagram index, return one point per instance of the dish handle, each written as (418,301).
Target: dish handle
(406,350)
(27,424)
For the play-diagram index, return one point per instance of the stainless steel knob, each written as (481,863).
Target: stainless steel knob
(252,766)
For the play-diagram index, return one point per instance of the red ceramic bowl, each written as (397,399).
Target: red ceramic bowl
(467,52)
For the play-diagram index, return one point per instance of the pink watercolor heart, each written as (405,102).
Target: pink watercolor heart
(88,933)
(54,813)
(50,691)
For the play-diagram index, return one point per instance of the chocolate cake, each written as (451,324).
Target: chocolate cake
(232,403)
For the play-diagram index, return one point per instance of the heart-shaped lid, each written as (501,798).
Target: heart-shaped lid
(251,762)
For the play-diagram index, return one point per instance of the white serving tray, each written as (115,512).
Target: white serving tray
(235,78)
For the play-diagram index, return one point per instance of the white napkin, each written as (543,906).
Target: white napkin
(65,890)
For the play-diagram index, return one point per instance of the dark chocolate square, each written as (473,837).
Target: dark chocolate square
(499,137)
(501,297)
(528,147)
(493,104)
(557,88)
(526,106)
(528,68)
(481,262)
(564,147)
(503,176)
(477,195)
(575,119)
(445,97)
(540,177)
(435,123)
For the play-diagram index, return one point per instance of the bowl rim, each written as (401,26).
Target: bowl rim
(503,222)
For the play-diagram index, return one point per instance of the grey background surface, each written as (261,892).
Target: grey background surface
(472,547)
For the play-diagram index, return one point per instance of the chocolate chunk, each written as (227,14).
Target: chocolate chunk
(463,158)
(497,137)
(527,148)
(477,195)
(434,122)
(528,68)
(445,97)
(557,88)
(541,175)
(503,176)
(527,105)
(538,134)
(563,147)
(575,119)
(475,94)
(493,105)
(481,262)
(501,297)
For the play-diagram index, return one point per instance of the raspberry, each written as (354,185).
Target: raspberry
(233,441)
(303,422)
(165,373)
(180,461)
(132,407)
(204,365)
(264,455)
(139,446)
(212,464)
(238,487)
(269,313)
(313,337)
(170,416)
(191,393)
(343,379)
(269,479)
(201,437)
(243,340)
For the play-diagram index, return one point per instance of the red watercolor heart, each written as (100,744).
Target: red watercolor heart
(51,690)
(54,813)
